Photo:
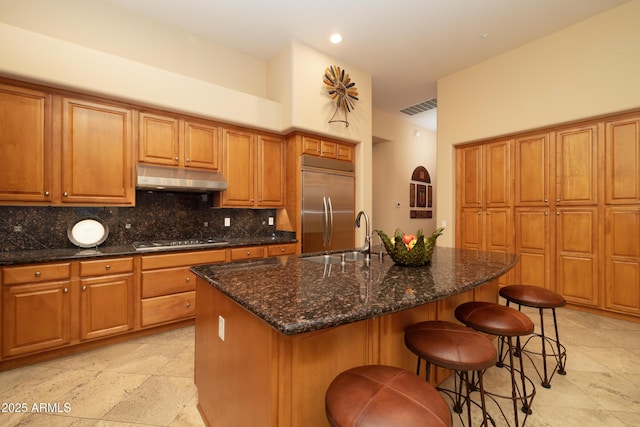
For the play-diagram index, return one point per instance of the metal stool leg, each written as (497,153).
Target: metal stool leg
(561,354)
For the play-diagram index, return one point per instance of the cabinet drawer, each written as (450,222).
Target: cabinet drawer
(275,250)
(182,259)
(168,308)
(310,146)
(167,281)
(252,252)
(36,273)
(106,266)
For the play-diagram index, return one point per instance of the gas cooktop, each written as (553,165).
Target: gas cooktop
(158,245)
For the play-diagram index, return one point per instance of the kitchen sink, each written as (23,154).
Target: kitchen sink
(336,258)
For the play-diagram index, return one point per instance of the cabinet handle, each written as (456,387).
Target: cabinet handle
(248,252)
(46,193)
(188,304)
(107,267)
(546,213)
(188,160)
(175,158)
(37,274)
(65,194)
(187,279)
(558,199)
(557,213)
(479,213)
(65,290)
(546,200)
(281,249)
(84,288)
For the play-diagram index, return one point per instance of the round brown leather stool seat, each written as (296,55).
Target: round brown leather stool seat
(377,395)
(505,323)
(540,298)
(456,347)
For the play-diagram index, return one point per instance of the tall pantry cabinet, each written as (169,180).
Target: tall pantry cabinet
(575,208)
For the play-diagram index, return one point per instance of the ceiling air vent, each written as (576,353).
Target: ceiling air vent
(421,107)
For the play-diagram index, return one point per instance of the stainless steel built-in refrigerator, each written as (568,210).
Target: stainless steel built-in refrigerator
(328,204)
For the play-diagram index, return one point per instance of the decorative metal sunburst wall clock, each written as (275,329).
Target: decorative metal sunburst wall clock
(342,90)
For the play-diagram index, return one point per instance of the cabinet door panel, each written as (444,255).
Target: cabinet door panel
(622,162)
(533,244)
(25,145)
(35,317)
(271,171)
(106,306)
(576,256)
(472,229)
(96,153)
(158,142)
(470,179)
(622,260)
(576,166)
(239,167)
(201,146)
(532,170)
(498,173)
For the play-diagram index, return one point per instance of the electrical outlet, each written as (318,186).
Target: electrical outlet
(444,223)
(206,224)
(17,228)
(270,220)
(127,226)
(227,222)
(221,327)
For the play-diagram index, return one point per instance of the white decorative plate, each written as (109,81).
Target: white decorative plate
(88,232)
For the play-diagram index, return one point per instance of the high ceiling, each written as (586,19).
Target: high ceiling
(406,45)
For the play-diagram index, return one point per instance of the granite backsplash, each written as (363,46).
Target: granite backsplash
(156,216)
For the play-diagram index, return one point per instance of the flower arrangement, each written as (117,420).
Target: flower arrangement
(408,249)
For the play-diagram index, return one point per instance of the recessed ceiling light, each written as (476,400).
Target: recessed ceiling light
(335,38)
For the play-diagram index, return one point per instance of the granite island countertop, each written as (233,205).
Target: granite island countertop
(295,295)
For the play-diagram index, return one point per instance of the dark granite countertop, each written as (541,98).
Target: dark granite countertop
(295,295)
(71,254)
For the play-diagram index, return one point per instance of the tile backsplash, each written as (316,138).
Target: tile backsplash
(157,215)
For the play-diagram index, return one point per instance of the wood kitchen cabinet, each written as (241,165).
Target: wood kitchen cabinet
(172,141)
(25,145)
(622,161)
(63,149)
(97,164)
(254,167)
(36,308)
(167,286)
(325,148)
(577,166)
(106,297)
(485,216)
(533,169)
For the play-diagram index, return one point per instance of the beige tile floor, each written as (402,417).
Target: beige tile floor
(149,381)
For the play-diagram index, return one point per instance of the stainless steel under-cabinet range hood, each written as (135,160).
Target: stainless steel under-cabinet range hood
(151,177)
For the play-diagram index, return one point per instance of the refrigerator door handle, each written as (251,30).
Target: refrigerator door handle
(325,222)
(330,218)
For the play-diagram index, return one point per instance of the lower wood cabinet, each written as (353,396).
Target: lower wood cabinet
(167,286)
(106,297)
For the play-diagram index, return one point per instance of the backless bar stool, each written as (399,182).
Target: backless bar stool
(505,323)
(540,298)
(384,396)
(456,347)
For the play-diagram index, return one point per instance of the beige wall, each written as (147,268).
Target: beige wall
(93,47)
(585,70)
(396,153)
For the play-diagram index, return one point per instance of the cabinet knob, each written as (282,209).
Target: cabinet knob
(65,194)
(38,274)
(281,249)
(188,160)
(84,288)
(558,199)
(546,200)
(557,213)
(488,202)
(479,213)
(187,279)
(175,158)
(65,290)
(188,304)
(107,267)
(46,193)
(546,213)
(248,252)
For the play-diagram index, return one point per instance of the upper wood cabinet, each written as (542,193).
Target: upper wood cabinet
(324,148)
(484,174)
(533,170)
(254,167)
(577,166)
(171,141)
(97,166)
(622,161)
(25,145)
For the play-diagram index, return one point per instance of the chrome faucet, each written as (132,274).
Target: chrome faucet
(366,248)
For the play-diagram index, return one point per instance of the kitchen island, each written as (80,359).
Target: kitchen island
(272,334)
